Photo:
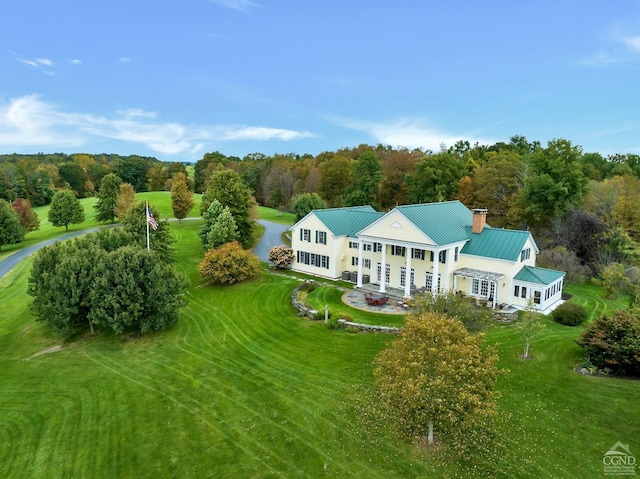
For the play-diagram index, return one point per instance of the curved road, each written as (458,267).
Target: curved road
(270,238)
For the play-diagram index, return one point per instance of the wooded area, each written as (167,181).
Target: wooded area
(581,206)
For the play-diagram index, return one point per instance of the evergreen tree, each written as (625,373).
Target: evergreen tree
(227,187)
(223,231)
(10,229)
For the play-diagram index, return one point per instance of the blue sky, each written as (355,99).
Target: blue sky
(175,79)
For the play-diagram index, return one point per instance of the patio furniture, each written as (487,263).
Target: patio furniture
(375,299)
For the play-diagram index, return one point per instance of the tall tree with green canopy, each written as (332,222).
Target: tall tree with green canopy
(555,181)
(135,224)
(365,178)
(11,231)
(227,187)
(60,283)
(436,178)
(133,169)
(304,203)
(65,209)
(108,198)
(334,179)
(75,176)
(436,377)
(181,197)
(134,290)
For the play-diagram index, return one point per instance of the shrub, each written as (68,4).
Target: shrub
(570,314)
(614,342)
(281,257)
(228,264)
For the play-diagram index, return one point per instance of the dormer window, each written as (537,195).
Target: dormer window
(525,254)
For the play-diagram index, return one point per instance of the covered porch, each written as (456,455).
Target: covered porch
(482,285)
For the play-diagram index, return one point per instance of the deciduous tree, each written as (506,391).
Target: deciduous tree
(108,198)
(181,197)
(228,264)
(304,203)
(436,376)
(65,209)
(133,290)
(126,199)
(29,219)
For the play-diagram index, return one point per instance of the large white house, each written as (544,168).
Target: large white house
(434,246)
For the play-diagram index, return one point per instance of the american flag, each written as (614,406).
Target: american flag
(151,221)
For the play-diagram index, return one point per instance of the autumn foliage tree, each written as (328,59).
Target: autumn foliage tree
(28,218)
(436,377)
(228,264)
(181,197)
(126,199)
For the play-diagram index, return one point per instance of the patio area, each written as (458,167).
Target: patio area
(356,298)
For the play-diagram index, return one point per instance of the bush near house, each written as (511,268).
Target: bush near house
(570,314)
(614,342)
(281,257)
(228,264)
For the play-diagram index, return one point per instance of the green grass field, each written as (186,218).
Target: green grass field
(241,387)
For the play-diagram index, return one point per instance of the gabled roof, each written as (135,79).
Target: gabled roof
(444,223)
(347,221)
(496,243)
(531,274)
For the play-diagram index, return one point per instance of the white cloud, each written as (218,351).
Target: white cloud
(618,46)
(236,4)
(409,133)
(123,60)
(633,43)
(75,61)
(38,62)
(30,121)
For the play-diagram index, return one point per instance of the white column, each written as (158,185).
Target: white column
(455,283)
(436,265)
(383,269)
(407,274)
(447,269)
(359,284)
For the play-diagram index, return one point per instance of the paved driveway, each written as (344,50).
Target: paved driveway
(272,237)
(9,262)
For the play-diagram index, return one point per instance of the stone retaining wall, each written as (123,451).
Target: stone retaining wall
(312,314)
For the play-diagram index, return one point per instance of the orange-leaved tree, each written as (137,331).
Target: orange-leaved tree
(436,377)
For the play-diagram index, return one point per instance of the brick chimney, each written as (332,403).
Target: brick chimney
(479,220)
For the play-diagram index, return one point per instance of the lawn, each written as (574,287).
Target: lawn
(158,199)
(242,387)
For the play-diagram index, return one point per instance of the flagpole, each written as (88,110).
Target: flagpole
(147,221)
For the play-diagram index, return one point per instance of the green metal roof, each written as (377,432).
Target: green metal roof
(496,243)
(531,274)
(347,221)
(444,223)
